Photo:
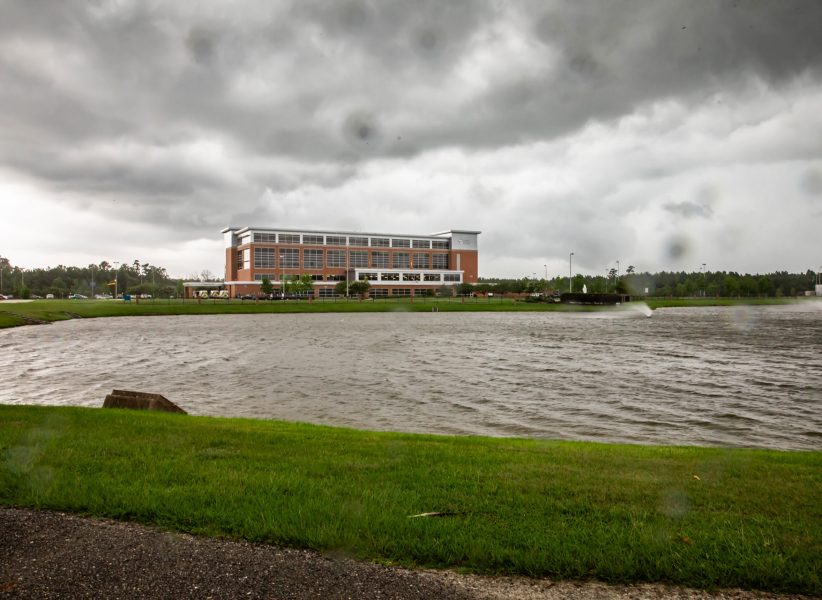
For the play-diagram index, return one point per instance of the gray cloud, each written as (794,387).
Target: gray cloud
(188,113)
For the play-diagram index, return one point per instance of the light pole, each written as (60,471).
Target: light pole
(116,277)
(92,280)
(704,274)
(570,276)
(617,268)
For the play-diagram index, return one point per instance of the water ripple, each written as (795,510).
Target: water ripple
(686,376)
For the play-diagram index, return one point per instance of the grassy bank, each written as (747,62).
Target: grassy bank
(694,516)
(47,311)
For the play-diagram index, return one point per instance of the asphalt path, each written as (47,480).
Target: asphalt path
(50,555)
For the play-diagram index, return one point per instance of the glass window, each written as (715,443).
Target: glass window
(397,243)
(378,293)
(410,276)
(440,244)
(327,293)
(335,258)
(240,260)
(247,258)
(335,240)
(312,259)
(359,258)
(451,276)
(264,258)
(289,258)
(380,242)
(401,292)
(379,260)
(368,276)
(432,277)
(421,243)
(401,260)
(314,240)
(358,241)
(440,261)
(289,238)
(261,276)
(335,277)
(390,276)
(265,238)
(421,261)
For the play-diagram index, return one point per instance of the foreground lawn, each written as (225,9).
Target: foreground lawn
(693,516)
(38,311)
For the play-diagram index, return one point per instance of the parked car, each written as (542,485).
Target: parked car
(77,297)
(35,297)
(49,296)
(2,297)
(102,296)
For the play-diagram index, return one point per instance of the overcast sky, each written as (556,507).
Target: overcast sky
(663,134)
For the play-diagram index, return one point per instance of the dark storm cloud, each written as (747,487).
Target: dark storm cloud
(209,113)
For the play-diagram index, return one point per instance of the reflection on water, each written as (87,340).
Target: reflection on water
(741,376)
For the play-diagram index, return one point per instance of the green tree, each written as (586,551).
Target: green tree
(266,287)
(465,289)
(303,284)
(341,288)
(359,287)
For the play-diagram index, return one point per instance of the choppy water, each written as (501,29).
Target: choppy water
(742,376)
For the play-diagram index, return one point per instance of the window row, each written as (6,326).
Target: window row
(371,276)
(418,277)
(341,240)
(289,258)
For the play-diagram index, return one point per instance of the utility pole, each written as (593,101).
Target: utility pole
(570,275)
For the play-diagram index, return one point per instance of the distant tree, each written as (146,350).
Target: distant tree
(341,288)
(266,287)
(465,289)
(304,284)
(359,287)
(630,270)
(621,288)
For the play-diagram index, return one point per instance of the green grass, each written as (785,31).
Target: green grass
(14,314)
(616,513)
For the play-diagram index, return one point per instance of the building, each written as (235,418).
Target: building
(393,264)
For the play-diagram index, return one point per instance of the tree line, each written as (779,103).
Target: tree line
(144,278)
(101,278)
(729,284)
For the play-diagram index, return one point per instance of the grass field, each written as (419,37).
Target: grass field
(693,516)
(15,314)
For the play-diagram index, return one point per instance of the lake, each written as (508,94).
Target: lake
(725,376)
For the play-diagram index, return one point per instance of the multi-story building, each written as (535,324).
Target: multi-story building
(393,264)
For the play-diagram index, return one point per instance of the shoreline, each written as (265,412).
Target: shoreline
(38,312)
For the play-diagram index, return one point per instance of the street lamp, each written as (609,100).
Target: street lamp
(116,278)
(570,270)
(617,268)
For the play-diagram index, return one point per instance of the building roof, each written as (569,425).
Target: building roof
(240,230)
